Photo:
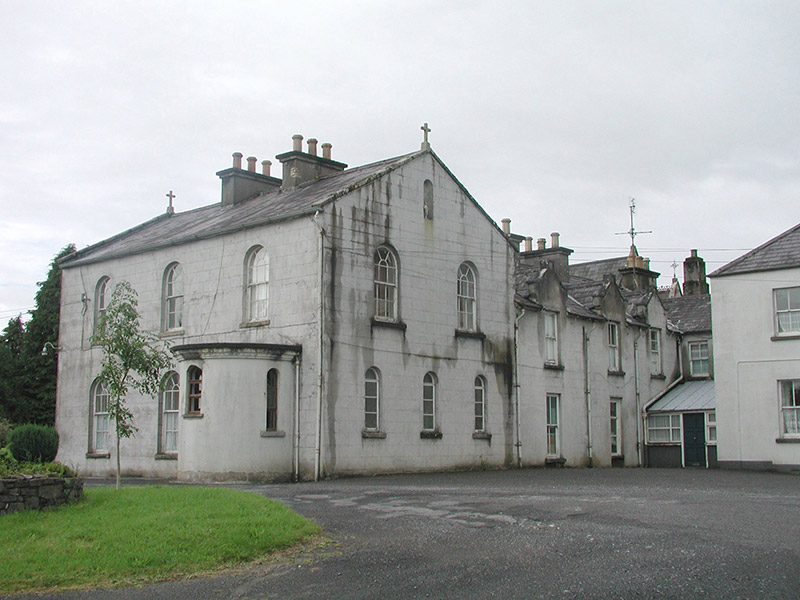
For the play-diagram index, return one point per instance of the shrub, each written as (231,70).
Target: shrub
(33,443)
(5,428)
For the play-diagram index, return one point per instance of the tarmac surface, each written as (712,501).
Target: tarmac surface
(535,533)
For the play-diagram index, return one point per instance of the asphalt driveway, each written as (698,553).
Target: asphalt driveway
(564,533)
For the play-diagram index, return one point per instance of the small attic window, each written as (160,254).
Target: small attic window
(427,199)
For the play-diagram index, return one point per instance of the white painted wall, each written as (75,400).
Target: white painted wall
(748,364)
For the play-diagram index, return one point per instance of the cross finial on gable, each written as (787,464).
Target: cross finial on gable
(170,208)
(425,131)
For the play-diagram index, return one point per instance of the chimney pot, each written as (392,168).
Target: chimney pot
(312,146)
(554,239)
(506,226)
(541,244)
(326,150)
(528,242)
(297,142)
(694,253)
(251,163)
(646,263)
(265,165)
(237,160)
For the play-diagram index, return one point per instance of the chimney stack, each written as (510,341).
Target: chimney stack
(694,276)
(556,257)
(239,185)
(301,167)
(506,226)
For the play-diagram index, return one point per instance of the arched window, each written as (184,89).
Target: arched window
(429,401)
(194,390)
(466,297)
(480,404)
(102,294)
(99,437)
(372,399)
(385,279)
(170,400)
(272,400)
(173,297)
(427,199)
(257,284)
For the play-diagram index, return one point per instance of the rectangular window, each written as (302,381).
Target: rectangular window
(655,352)
(613,347)
(711,428)
(787,311)
(698,359)
(553,438)
(664,428)
(616,433)
(551,338)
(790,408)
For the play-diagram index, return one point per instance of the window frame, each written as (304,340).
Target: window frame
(194,391)
(614,354)
(553,419)
(656,362)
(701,359)
(792,311)
(479,404)
(711,428)
(256,285)
(429,384)
(372,399)
(551,349)
(467,297)
(172,298)
(271,400)
(791,407)
(99,392)
(385,290)
(674,428)
(169,396)
(615,424)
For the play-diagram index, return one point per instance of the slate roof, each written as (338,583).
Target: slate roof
(594,270)
(216,219)
(781,252)
(690,314)
(688,396)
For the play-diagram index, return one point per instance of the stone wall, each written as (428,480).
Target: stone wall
(38,492)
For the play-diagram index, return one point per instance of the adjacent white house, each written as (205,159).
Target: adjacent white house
(373,319)
(756,323)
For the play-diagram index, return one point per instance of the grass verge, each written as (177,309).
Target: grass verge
(141,534)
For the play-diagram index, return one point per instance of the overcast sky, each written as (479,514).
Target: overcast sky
(553,114)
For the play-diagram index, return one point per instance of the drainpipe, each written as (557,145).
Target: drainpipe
(296,443)
(321,307)
(639,445)
(517,441)
(587,396)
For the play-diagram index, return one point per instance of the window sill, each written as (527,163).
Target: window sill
(374,322)
(787,440)
(373,434)
(474,335)
(658,376)
(790,336)
(430,435)
(172,333)
(272,433)
(553,366)
(98,455)
(616,373)
(166,456)
(193,416)
(482,435)
(259,323)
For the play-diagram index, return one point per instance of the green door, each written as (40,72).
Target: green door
(694,440)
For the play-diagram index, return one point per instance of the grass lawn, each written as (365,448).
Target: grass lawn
(141,534)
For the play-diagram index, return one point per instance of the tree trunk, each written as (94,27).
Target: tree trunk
(117,431)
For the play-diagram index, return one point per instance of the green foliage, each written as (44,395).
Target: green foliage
(132,358)
(8,464)
(9,467)
(28,379)
(33,443)
(142,534)
(5,428)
